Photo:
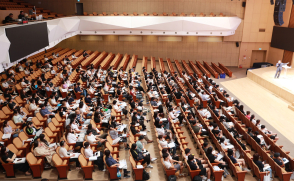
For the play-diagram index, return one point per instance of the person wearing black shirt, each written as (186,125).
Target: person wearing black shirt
(85,54)
(212,158)
(88,99)
(11,104)
(240,161)
(8,156)
(21,15)
(137,155)
(280,161)
(256,138)
(9,18)
(261,164)
(137,131)
(215,111)
(194,166)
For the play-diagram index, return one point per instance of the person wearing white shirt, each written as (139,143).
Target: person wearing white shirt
(204,113)
(63,153)
(94,139)
(116,106)
(168,165)
(72,138)
(53,72)
(74,126)
(205,97)
(73,57)
(89,153)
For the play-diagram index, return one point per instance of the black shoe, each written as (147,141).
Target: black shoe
(128,172)
(127,176)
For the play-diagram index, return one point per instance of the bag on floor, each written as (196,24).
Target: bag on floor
(172,178)
(197,178)
(146,175)
(267,177)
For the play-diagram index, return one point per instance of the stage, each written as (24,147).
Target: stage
(282,87)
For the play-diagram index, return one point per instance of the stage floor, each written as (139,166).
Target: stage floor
(282,87)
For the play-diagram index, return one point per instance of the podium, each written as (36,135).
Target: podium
(286,67)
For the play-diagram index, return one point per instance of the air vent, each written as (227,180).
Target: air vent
(261,30)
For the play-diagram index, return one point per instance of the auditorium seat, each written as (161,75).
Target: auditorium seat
(35,164)
(87,167)
(61,166)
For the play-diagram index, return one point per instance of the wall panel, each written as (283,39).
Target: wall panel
(189,48)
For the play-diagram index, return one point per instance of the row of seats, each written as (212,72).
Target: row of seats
(153,14)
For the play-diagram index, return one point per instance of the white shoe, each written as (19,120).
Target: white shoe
(204,178)
(246,169)
(104,170)
(149,166)
(208,179)
(153,159)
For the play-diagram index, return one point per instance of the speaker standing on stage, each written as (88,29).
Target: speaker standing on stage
(279,66)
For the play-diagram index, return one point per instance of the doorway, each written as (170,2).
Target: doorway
(80,8)
(257,56)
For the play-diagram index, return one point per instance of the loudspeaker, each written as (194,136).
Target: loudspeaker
(272,2)
(278,18)
(244,4)
(237,44)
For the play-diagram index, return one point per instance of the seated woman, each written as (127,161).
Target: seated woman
(89,153)
(31,129)
(63,153)
(240,161)
(74,126)
(213,159)
(261,165)
(72,138)
(194,166)
(8,129)
(46,143)
(226,145)
(114,163)
(8,156)
(40,149)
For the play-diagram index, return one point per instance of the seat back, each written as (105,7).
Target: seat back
(39,116)
(17,142)
(82,160)
(12,148)
(31,159)
(57,160)
(36,121)
(2,114)
(108,146)
(6,110)
(48,132)
(12,124)
(52,127)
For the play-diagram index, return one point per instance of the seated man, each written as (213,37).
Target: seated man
(92,139)
(114,163)
(137,131)
(9,18)
(280,161)
(21,15)
(45,112)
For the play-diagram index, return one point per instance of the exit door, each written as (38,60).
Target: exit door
(80,8)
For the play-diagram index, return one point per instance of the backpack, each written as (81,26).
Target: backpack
(172,178)
(197,178)
(146,175)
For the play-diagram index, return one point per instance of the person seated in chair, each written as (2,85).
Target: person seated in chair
(21,15)
(8,156)
(89,153)
(114,163)
(9,19)
(92,139)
